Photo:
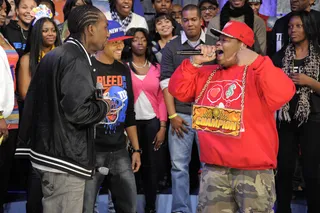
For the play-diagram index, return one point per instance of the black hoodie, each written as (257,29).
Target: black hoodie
(16,36)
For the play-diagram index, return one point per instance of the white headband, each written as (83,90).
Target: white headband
(42,11)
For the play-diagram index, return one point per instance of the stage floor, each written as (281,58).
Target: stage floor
(163,204)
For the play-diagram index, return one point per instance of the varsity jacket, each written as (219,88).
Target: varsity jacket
(60,111)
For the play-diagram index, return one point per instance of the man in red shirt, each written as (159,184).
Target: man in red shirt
(234,109)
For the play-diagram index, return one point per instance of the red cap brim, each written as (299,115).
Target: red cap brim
(217,32)
(121,38)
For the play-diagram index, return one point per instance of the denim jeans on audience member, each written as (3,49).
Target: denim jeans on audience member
(120,181)
(180,152)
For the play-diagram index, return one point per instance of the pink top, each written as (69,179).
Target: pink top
(150,85)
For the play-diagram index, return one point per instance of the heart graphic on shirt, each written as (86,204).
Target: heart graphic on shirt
(214,92)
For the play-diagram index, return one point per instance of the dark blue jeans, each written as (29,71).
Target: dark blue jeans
(180,153)
(120,181)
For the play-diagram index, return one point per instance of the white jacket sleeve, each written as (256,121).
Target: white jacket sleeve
(137,21)
(6,85)
(144,23)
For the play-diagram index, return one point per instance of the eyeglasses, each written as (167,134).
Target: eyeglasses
(210,9)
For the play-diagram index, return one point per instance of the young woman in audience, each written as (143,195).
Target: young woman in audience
(299,120)
(17,31)
(121,11)
(69,5)
(150,109)
(8,63)
(164,26)
(43,38)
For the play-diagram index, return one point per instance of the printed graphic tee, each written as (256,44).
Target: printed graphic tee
(225,95)
(115,79)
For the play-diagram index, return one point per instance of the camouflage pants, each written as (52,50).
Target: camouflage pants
(225,190)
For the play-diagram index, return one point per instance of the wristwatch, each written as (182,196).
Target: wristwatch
(137,150)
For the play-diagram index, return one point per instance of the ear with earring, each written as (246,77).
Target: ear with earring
(243,46)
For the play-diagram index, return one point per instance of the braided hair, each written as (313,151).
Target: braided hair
(81,17)
(70,4)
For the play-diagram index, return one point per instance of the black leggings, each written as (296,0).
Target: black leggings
(34,192)
(7,150)
(151,160)
(290,136)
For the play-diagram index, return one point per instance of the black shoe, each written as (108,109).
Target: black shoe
(148,210)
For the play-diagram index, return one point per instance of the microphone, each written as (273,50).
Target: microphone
(99,91)
(189,52)
(103,170)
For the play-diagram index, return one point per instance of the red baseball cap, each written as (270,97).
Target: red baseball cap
(238,30)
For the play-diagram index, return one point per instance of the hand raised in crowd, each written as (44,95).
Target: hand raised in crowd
(3,130)
(136,161)
(158,140)
(178,126)
(245,56)
(301,79)
(208,54)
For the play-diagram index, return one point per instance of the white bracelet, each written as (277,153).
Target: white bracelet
(194,64)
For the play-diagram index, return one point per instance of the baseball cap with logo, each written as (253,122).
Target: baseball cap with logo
(116,31)
(238,30)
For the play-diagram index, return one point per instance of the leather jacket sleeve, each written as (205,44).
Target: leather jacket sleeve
(77,92)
